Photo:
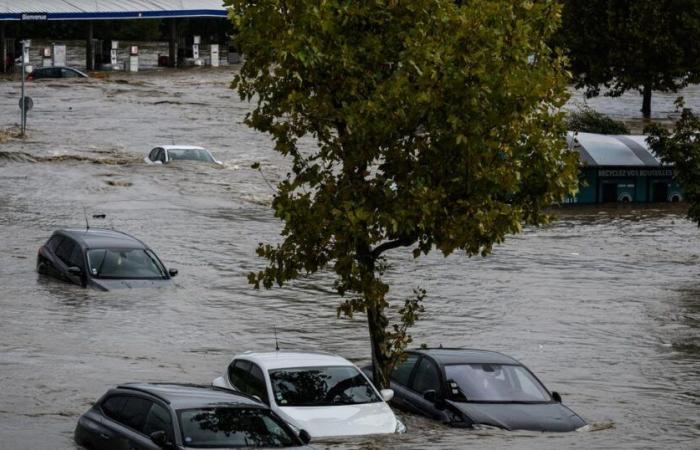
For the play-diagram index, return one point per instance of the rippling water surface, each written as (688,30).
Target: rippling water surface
(604,305)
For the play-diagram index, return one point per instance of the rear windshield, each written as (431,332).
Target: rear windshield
(233,427)
(191,154)
(131,264)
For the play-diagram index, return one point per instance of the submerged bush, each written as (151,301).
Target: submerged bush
(587,120)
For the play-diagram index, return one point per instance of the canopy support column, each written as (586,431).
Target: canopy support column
(172,57)
(3,48)
(90,48)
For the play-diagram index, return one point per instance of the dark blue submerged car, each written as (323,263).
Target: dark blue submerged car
(102,259)
(465,388)
(150,416)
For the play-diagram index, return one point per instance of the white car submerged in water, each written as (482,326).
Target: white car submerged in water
(169,153)
(324,394)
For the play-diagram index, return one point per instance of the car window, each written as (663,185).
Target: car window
(402,372)
(154,154)
(161,155)
(257,383)
(191,154)
(113,406)
(158,419)
(67,73)
(238,374)
(234,428)
(321,386)
(134,412)
(65,250)
(53,243)
(76,257)
(495,383)
(426,377)
(123,263)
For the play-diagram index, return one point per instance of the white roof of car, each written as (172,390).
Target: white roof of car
(181,147)
(284,359)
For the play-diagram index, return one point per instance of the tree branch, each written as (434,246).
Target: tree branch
(403,241)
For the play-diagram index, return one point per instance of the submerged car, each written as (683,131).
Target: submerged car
(55,72)
(102,259)
(324,394)
(169,153)
(152,416)
(470,388)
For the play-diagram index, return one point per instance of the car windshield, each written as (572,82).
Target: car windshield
(190,154)
(321,386)
(233,427)
(126,263)
(494,383)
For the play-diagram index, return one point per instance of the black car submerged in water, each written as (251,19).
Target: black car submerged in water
(103,259)
(153,416)
(465,388)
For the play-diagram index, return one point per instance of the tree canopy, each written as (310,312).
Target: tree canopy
(435,124)
(622,45)
(681,147)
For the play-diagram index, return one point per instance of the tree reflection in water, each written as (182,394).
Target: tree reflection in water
(234,427)
(323,386)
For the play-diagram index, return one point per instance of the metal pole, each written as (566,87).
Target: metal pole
(23,105)
(172,57)
(3,48)
(90,48)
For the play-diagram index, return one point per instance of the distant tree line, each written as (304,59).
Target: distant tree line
(615,46)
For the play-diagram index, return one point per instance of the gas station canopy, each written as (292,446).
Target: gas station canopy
(40,10)
(598,150)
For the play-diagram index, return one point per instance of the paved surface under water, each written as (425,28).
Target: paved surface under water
(604,305)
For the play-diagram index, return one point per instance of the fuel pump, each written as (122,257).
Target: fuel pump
(134,58)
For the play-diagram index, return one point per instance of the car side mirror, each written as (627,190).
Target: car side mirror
(172,272)
(75,270)
(160,438)
(304,436)
(556,397)
(387,394)
(430,395)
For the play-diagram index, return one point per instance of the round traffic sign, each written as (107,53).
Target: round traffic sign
(28,103)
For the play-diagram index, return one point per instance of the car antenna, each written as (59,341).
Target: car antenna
(87,224)
(277,346)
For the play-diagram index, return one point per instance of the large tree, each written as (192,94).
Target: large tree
(435,125)
(643,45)
(681,147)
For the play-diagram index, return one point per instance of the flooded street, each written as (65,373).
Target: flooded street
(603,305)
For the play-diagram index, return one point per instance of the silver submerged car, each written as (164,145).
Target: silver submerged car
(168,153)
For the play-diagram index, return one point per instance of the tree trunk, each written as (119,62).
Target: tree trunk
(377,322)
(646,103)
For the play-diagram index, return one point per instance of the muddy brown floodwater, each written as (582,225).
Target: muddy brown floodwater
(604,305)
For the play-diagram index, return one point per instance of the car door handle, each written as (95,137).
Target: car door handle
(105,437)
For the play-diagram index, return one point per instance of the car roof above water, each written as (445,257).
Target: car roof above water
(448,356)
(101,238)
(288,359)
(181,147)
(185,396)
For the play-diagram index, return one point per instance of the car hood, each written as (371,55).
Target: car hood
(341,420)
(108,285)
(518,416)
